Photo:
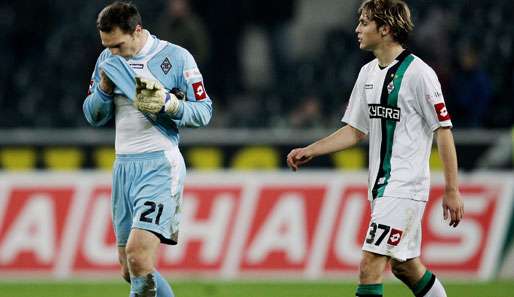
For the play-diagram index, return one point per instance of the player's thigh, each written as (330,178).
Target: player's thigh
(158,196)
(395,228)
(371,267)
(143,245)
(409,271)
(121,205)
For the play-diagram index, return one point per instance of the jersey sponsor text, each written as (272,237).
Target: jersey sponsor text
(384,112)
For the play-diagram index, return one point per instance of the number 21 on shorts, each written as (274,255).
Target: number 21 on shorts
(152,206)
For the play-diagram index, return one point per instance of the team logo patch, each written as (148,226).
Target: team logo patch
(166,66)
(199,91)
(91,84)
(394,237)
(377,111)
(442,112)
(390,87)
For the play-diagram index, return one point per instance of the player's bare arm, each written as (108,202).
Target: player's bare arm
(341,139)
(453,206)
(106,84)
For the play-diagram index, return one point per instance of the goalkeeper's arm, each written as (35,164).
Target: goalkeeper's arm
(151,97)
(98,106)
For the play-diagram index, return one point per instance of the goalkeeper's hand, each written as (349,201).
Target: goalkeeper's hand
(151,97)
(106,85)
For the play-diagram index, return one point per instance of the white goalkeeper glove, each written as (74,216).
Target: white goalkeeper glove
(151,97)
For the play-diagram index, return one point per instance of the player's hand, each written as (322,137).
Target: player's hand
(151,97)
(106,84)
(453,207)
(299,156)
(147,84)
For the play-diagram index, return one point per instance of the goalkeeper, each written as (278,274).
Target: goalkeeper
(152,88)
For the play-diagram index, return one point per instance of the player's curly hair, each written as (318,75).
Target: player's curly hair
(394,13)
(119,14)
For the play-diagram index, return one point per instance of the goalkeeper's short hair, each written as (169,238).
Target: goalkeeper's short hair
(119,15)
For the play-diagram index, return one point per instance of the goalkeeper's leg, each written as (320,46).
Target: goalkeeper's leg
(122,258)
(151,285)
(163,287)
(144,280)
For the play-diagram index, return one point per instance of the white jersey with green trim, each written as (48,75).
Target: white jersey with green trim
(399,107)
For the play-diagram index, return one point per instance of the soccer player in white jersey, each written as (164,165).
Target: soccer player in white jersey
(151,87)
(396,101)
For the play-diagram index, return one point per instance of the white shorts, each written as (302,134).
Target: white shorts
(395,228)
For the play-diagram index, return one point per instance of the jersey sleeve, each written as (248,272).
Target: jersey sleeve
(431,101)
(98,106)
(356,114)
(196,110)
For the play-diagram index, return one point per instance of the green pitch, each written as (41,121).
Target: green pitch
(241,289)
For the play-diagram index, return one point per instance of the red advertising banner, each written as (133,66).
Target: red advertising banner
(32,227)
(281,233)
(309,224)
(210,217)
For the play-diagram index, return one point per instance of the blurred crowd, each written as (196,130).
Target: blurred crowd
(49,49)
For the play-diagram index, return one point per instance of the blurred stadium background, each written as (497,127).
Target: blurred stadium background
(280,74)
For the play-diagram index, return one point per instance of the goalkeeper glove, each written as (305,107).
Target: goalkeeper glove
(151,97)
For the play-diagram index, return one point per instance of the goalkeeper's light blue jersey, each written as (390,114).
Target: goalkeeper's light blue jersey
(136,132)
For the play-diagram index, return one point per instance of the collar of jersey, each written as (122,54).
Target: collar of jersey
(401,56)
(388,66)
(149,46)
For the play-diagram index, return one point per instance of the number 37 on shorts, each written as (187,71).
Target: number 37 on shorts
(377,233)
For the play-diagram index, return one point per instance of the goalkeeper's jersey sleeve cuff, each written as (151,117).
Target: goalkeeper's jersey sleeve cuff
(180,112)
(103,95)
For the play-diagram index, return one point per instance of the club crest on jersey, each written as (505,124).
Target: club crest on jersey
(390,87)
(378,111)
(166,65)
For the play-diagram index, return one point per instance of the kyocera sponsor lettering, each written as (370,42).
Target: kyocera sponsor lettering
(384,112)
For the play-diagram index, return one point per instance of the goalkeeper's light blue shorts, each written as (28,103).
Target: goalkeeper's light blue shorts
(147,194)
